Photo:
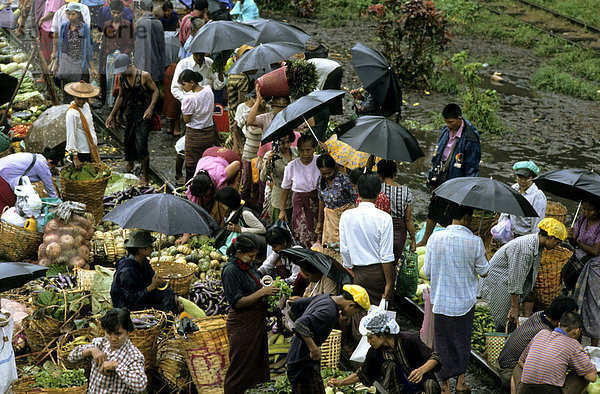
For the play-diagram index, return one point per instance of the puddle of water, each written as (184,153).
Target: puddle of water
(506,87)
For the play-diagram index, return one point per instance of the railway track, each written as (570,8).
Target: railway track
(549,21)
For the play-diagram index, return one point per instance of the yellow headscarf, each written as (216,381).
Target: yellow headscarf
(359,294)
(554,228)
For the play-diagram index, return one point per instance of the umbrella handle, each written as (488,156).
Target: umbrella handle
(576,214)
(310,128)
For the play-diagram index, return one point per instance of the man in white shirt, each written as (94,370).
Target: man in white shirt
(199,63)
(60,17)
(80,145)
(367,245)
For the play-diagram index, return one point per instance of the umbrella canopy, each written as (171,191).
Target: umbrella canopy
(572,184)
(378,76)
(14,275)
(325,264)
(164,213)
(347,156)
(9,84)
(485,193)
(295,113)
(275,31)
(220,36)
(261,57)
(381,137)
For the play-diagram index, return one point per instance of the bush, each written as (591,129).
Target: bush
(551,78)
(411,33)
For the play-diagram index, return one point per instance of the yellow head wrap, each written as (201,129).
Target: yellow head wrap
(359,295)
(554,228)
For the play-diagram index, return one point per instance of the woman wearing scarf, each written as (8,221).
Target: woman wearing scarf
(400,360)
(248,348)
(81,135)
(75,52)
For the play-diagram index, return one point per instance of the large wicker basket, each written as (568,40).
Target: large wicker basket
(17,244)
(557,211)
(6,152)
(179,276)
(171,364)
(63,354)
(330,350)
(207,354)
(547,285)
(90,192)
(146,339)
(482,222)
(40,330)
(24,386)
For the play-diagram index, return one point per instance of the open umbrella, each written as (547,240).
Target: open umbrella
(381,137)
(347,156)
(220,36)
(275,31)
(261,57)
(9,84)
(298,112)
(378,76)
(485,193)
(572,184)
(325,264)
(163,213)
(14,275)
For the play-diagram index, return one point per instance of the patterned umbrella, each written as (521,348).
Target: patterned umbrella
(347,156)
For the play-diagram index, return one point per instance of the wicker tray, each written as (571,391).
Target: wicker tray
(330,350)
(23,386)
(557,211)
(17,244)
(179,276)
(207,354)
(548,285)
(90,192)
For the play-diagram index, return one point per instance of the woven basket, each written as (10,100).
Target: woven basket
(6,152)
(547,285)
(40,330)
(17,244)
(207,354)
(171,364)
(63,354)
(557,211)
(90,192)
(487,223)
(23,386)
(146,339)
(179,276)
(494,343)
(85,279)
(330,350)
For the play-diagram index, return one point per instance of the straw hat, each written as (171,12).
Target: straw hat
(82,89)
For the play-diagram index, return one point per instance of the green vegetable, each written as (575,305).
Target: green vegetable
(284,290)
(51,377)
(53,304)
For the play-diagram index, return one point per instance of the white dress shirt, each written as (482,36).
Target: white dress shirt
(522,225)
(366,236)
(76,139)
(209,78)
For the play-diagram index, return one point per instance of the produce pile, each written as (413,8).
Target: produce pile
(112,200)
(87,172)
(144,321)
(282,384)
(49,376)
(285,290)
(279,345)
(108,243)
(210,297)
(482,323)
(66,243)
(78,340)
(60,305)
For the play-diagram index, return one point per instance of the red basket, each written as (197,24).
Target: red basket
(221,118)
(274,84)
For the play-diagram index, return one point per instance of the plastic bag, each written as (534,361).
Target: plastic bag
(594,354)
(427,328)
(360,353)
(8,366)
(502,232)
(11,216)
(28,201)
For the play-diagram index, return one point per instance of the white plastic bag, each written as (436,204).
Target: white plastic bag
(8,366)
(594,354)
(360,353)
(502,232)
(28,201)
(11,216)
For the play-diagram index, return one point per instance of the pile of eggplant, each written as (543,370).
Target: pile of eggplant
(144,321)
(116,198)
(210,297)
(59,282)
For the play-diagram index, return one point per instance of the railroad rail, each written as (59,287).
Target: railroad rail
(549,21)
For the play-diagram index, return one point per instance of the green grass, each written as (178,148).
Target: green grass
(584,10)
(551,78)
(336,12)
(446,82)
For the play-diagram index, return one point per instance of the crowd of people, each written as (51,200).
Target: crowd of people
(292,194)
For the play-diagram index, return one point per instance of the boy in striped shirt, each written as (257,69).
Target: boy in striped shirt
(550,354)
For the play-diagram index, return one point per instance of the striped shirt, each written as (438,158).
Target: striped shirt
(400,198)
(549,355)
(517,342)
(513,270)
(453,259)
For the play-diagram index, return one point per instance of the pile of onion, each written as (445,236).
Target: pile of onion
(66,243)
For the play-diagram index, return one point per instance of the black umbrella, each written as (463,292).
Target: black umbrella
(14,275)
(9,84)
(298,112)
(163,213)
(377,76)
(262,56)
(325,264)
(485,193)
(220,36)
(381,137)
(275,31)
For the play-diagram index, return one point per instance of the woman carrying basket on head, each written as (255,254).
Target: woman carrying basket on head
(81,135)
